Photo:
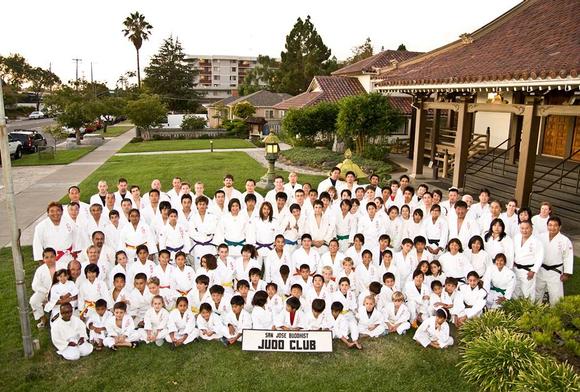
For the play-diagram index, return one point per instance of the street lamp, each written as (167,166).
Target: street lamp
(272,152)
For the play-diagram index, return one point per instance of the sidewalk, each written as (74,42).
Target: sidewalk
(31,202)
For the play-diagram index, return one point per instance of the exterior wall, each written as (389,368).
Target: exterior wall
(498,123)
(365,80)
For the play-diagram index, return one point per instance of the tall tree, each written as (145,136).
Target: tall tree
(41,81)
(305,56)
(361,52)
(169,76)
(402,47)
(137,30)
(262,77)
(14,70)
(145,112)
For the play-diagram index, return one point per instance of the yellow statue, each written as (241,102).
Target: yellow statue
(348,165)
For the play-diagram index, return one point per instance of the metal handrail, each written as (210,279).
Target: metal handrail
(492,161)
(489,152)
(561,163)
(558,179)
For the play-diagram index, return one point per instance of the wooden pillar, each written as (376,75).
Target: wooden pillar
(513,136)
(435,140)
(412,128)
(419,142)
(527,162)
(461,144)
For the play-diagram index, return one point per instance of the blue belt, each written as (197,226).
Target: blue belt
(234,243)
(173,249)
(200,243)
(260,245)
(289,242)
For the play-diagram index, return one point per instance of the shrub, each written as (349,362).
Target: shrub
(136,140)
(192,123)
(475,327)
(376,152)
(520,306)
(237,128)
(548,375)
(493,361)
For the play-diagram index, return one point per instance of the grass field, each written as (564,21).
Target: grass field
(62,157)
(116,130)
(178,145)
(207,167)
(389,363)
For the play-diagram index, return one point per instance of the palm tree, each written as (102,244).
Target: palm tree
(137,30)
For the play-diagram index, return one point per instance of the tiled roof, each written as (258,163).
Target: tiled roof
(537,39)
(379,60)
(402,104)
(330,89)
(262,98)
(224,101)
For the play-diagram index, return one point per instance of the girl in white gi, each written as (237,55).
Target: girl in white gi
(499,282)
(417,294)
(62,291)
(121,330)
(356,250)
(416,226)
(454,263)
(394,227)
(261,318)
(236,320)
(242,265)
(275,304)
(366,272)
(276,258)
(370,320)
(199,294)
(182,277)
(397,314)
(510,218)
(69,335)
(265,229)
(347,271)
(435,273)
(120,267)
(498,241)
(202,231)
(181,325)
(321,228)
(345,225)
(41,285)
(91,290)
(540,221)
(342,327)
(232,229)
(136,234)
(473,297)
(558,262)
(56,233)
(434,331)
(209,324)
(403,262)
(97,324)
(293,226)
(142,265)
(174,237)
(477,256)
(437,232)
(528,258)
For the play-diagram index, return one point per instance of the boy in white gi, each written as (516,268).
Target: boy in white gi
(136,234)
(474,297)
(397,314)
(558,262)
(292,319)
(370,320)
(236,320)
(499,282)
(529,255)
(341,327)
(209,324)
(434,331)
(181,325)
(121,329)
(417,294)
(97,324)
(41,285)
(69,335)
(139,299)
(202,230)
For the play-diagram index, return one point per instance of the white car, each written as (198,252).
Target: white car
(14,147)
(35,115)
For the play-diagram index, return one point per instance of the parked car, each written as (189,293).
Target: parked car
(31,140)
(72,133)
(15,147)
(35,115)
(94,126)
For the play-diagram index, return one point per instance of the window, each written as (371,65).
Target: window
(233,61)
(234,69)
(216,77)
(216,85)
(233,85)
(233,78)
(216,69)
(269,113)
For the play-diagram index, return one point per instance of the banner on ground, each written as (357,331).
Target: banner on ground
(287,341)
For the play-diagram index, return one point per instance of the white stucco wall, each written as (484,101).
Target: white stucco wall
(365,80)
(498,123)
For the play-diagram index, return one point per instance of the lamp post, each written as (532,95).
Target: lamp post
(272,152)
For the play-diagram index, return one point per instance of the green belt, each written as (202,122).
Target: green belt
(233,243)
(498,290)
(342,237)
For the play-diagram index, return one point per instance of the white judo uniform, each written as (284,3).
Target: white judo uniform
(528,257)
(63,333)
(558,259)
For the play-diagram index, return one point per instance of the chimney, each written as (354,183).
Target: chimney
(235,93)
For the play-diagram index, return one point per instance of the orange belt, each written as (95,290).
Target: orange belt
(183,293)
(133,247)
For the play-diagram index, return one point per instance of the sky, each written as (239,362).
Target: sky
(52,33)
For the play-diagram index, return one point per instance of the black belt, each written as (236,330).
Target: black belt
(553,267)
(436,242)
(527,267)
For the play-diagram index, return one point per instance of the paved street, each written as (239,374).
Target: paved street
(33,125)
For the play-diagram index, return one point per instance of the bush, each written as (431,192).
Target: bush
(475,327)
(548,375)
(136,140)
(493,361)
(237,128)
(192,123)
(376,152)
(520,306)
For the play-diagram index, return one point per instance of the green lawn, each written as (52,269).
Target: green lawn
(116,130)
(62,157)
(178,145)
(207,167)
(389,363)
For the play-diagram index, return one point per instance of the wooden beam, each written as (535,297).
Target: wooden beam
(442,105)
(435,140)
(527,162)
(513,136)
(497,108)
(419,142)
(559,110)
(461,144)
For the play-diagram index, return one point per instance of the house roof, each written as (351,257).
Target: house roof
(324,89)
(224,101)
(379,60)
(262,98)
(537,40)
(402,104)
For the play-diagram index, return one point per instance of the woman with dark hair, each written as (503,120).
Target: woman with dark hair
(498,241)
(264,231)
(233,228)
(453,261)
(477,255)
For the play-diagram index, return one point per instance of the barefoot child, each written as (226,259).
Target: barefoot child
(236,320)
(181,325)
(120,329)
(97,324)
(155,322)
(371,322)
(342,328)
(434,331)
(69,335)
(209,324)
(397,315)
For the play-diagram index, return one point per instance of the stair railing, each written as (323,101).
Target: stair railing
(561,166)
(495,154)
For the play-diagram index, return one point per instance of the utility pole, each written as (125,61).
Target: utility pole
(92,82)
(77,61)
(15,234)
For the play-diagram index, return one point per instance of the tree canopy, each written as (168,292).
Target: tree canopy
(361,52)
(146,112)
(305,56)
(264,76)
(306,125)
(402,47)
(244,110)
(169,76)
(137,30)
